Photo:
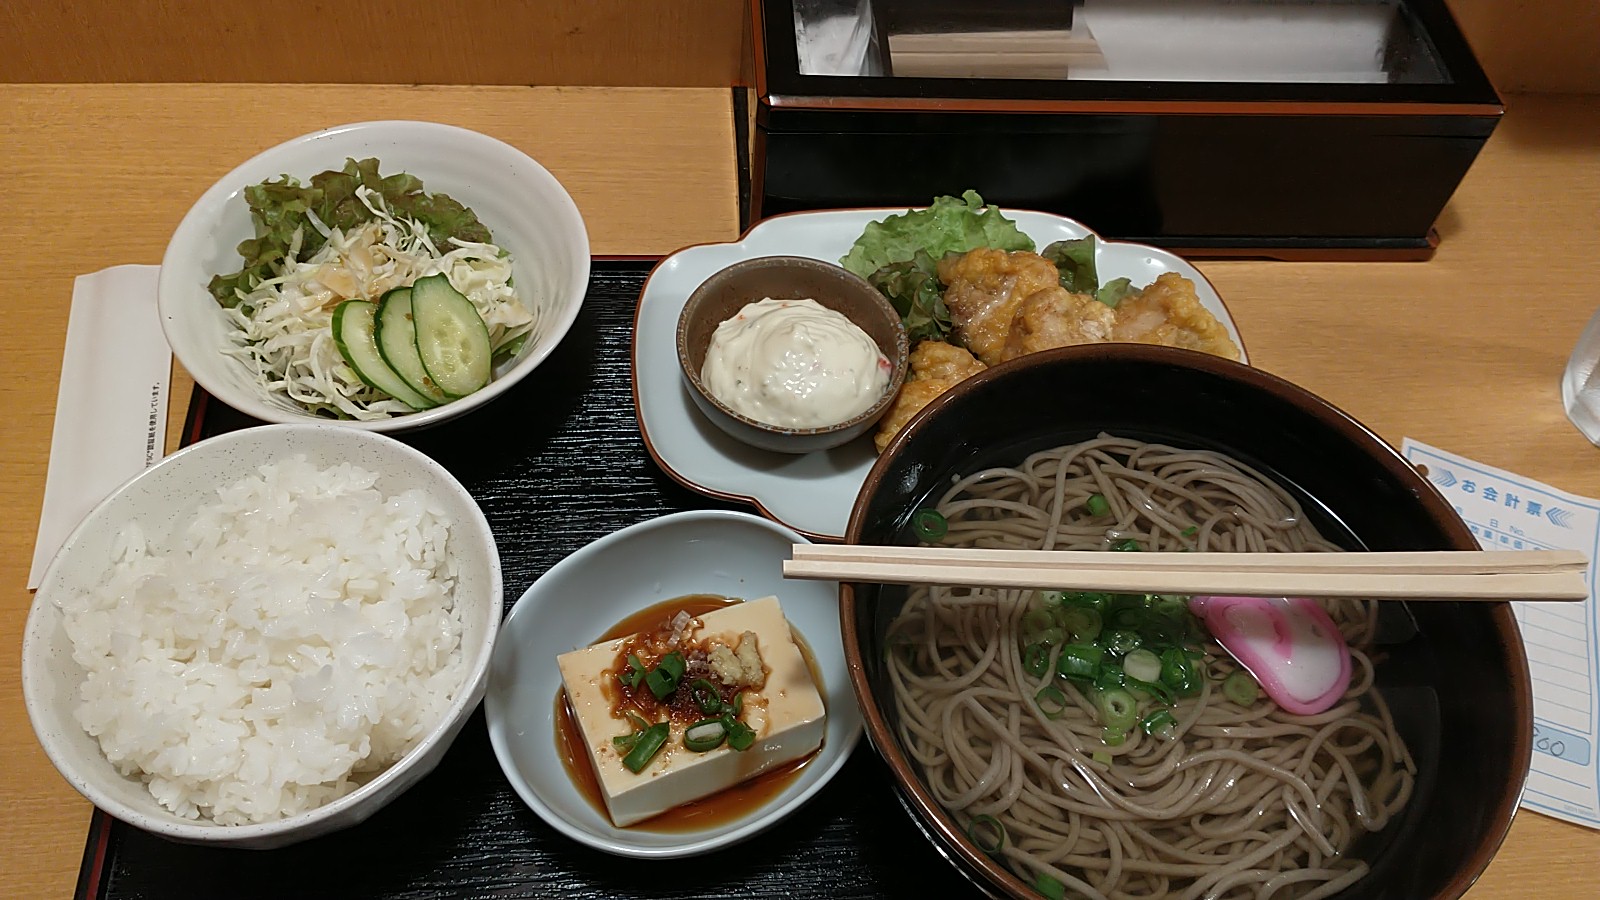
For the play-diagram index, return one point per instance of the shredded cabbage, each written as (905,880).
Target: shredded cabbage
(284,327)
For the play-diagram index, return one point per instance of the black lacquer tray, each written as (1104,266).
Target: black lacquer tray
(555,463)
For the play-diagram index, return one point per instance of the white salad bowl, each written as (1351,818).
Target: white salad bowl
(162,500)
(719,552)
(525,208)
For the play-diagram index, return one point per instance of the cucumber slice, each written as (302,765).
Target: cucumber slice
(397,343)
(353,324)
(451,337)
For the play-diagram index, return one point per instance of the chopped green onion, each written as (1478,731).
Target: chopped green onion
(1114,737)
(1050,886)
(1191,531)
(1120,642)
(1080,660)
(660,683)
(1126,545)
(634,673)
(1178,673)
(1159,724)
(1118,709)
(1037,619)
(704,735)
(738,704)
(1096,599)
(1051,701)
(625,742)
(929,524)
(1097,505)
(987,832)
(663,679)
(1046,637)
(1241,688)
(1035,660)
(740,737)
(1101,757)
(672,664)
(1142,665)
(706,696)
(1082,624)
(1109,676)
(1154,688)
(647,746)
(1052,598)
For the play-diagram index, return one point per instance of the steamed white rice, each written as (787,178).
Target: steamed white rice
(297,637)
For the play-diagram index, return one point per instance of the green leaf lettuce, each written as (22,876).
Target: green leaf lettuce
(949,225)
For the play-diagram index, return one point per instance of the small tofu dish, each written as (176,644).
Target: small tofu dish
(692,706)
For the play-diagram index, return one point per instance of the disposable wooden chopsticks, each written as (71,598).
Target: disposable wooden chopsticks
(1410,575)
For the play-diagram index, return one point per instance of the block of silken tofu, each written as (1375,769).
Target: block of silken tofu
(786,714)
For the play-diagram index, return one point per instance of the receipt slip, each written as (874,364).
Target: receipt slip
(111,407)
(1510,512)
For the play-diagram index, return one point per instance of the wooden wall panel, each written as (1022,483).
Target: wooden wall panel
(688,43)
(1525,45)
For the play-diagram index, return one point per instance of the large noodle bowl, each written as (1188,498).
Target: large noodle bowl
(1227,795)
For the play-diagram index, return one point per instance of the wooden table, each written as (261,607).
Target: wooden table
(1464,352)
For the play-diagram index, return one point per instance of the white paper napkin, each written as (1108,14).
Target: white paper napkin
(111,409)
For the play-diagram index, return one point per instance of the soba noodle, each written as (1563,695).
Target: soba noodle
(1238,801)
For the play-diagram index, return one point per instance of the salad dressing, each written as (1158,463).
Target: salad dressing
(794,364)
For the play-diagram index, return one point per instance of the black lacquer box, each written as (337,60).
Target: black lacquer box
(1276,128)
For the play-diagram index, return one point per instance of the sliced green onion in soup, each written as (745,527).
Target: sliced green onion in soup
(1120,642)
(1046,637)
(1159,724)
(1126,545)
(1241,688)
(1096,599)
(1080,661)
(1036,660)
(929,525)
(1037,619)
(1097,505)
(1154,689)
(987,832)
(1082,624)
(1142,665)
(1118,709)
(1114,737)
(1050,887)
(1110,676)
(1178,673)
(1051,701)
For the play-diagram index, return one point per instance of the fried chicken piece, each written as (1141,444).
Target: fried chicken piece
(1055,317)
(935,367)
(984,289)
(1168,312)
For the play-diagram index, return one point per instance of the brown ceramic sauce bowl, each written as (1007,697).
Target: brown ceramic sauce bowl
(722,295)
(1454,674)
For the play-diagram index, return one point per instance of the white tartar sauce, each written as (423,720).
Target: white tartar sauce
(794,364)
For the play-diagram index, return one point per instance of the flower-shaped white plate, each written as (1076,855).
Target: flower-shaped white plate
(811,493)
(733,554)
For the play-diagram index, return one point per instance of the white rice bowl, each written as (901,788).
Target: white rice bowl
(267,636)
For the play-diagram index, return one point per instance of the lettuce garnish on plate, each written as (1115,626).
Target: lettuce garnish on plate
(899,255)
(285,213)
